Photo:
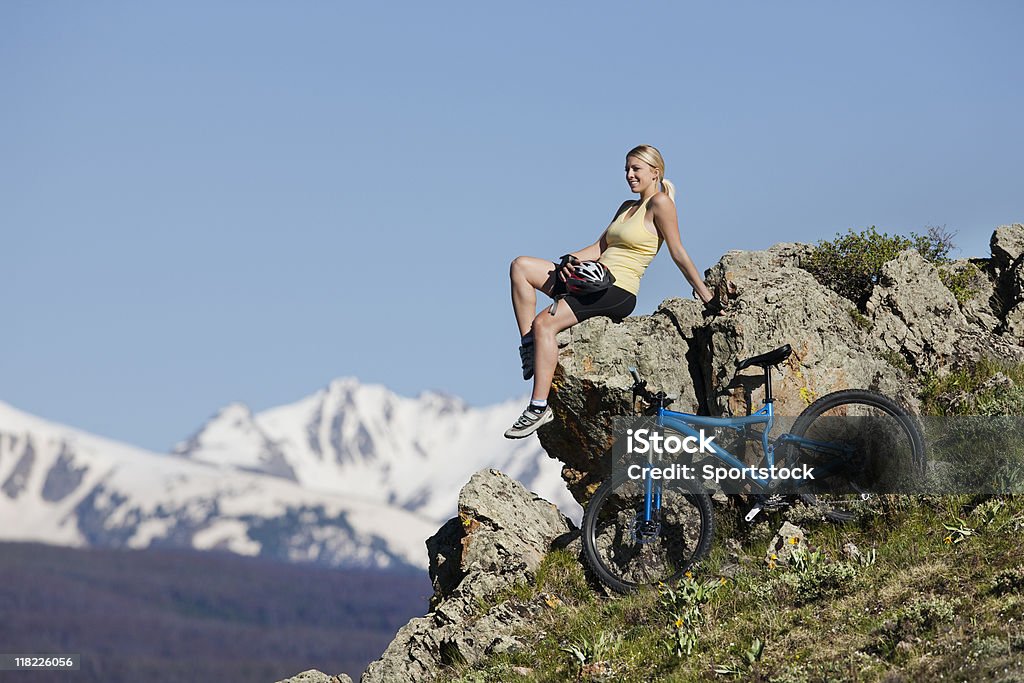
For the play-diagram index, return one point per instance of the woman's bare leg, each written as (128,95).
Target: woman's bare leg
(545,330)
(529,274)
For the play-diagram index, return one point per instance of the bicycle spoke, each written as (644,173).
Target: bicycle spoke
(625,552)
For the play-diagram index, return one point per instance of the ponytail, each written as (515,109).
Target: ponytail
(670,189)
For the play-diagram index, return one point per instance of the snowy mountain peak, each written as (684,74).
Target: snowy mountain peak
(344,384)
(234,411)
(363,439)
(232,438)
(441,403)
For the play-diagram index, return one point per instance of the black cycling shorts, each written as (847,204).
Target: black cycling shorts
(614,302)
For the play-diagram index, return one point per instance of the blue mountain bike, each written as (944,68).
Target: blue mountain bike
(639,532)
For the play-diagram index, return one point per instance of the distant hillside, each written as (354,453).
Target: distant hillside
(176,615)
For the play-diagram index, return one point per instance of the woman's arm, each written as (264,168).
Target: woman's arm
(667,224)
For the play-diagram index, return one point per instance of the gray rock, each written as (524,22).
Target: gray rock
(773,302)
(444,550)
(915,315)
(592,381)
(786,541)
(498,540)
(982,308)
(509,530)
(1007,245)
(314,676)
(1012,292)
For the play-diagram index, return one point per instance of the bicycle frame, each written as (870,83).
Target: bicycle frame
(687,424)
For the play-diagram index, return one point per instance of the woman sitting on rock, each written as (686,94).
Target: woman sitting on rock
(625,249)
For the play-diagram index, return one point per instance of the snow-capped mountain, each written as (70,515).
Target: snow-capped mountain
(364,440)
(66,487)
(351,476)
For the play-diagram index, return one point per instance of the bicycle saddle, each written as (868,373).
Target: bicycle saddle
(763,360)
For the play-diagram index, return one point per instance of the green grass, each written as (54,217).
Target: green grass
(976,390)
(923,603)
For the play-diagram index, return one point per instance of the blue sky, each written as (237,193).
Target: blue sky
(205,202)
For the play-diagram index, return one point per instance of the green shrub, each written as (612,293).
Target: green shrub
(851,264)
(812,575)
(1009,580)
(963,282)
(860,320)
(923,615)
(895,359)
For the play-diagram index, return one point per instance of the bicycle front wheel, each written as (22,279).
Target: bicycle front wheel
(860,442)
(626,552)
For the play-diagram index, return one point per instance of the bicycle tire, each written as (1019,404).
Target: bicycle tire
(886,439)
(612,544)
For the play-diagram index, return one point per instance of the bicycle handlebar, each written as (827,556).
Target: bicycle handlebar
(640,389)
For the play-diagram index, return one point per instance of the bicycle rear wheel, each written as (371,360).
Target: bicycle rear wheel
(862,442)
(625,552)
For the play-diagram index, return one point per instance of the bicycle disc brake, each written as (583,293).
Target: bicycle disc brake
(646,531)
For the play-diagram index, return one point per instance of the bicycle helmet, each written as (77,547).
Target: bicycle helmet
(588,277)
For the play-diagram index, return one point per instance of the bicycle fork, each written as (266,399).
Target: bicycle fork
(649,526)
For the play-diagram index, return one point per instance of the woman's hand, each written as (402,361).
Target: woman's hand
(568,265)
(711,306)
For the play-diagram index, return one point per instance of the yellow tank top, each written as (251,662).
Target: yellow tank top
(631,248)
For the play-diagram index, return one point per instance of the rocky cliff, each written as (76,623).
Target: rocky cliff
(910,325)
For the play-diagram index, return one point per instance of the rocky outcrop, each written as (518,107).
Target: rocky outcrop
(914,315)
(911,324)
(772,301)
(314,676)
(498,540)
(1007,245)
(1006,270)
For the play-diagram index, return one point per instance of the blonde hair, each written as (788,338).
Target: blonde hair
(652,157)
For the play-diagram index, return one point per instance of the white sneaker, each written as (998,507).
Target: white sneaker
(529,422)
